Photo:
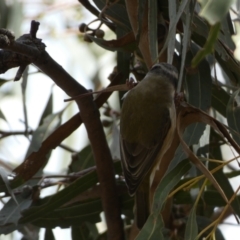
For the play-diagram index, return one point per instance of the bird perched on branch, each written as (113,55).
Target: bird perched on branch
(147,125)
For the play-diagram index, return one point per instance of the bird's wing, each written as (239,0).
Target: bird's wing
(137,159)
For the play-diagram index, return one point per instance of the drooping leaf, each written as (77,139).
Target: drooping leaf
(191,226)
(60,198)
(154,224)
(4,178)
(171,41)
(220,99)
(185,39)
(152,33)
(50,123)
(11,212)
(174,24)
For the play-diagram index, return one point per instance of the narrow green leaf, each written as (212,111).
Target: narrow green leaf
(50,123)
(191,226)
(47,110)
(220,99)
(172,31)
(186,39)
(152,29)
(172,9)
(141,6)
(60,198)
(11,212)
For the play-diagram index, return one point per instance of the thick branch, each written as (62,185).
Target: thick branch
(90,116)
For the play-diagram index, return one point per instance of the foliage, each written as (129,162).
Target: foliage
(196,38)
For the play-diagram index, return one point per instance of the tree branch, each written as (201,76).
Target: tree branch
(89,113)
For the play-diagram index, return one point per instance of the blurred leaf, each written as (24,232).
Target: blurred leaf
(47,110)
(140,15)
(186,38)
(50,123)
(214,10)
(191,226)
(11,212)
(233,115)
(198,82)
(49,234)
(227,31)
(220,99)
(4,178)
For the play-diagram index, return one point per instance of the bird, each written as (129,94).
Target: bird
(147,125)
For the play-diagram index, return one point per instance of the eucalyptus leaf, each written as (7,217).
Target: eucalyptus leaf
(191,226)
(152,29)
(12,212)
(60,198)
(50,123)
(165,186)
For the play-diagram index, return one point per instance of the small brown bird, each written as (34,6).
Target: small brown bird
(148,121)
